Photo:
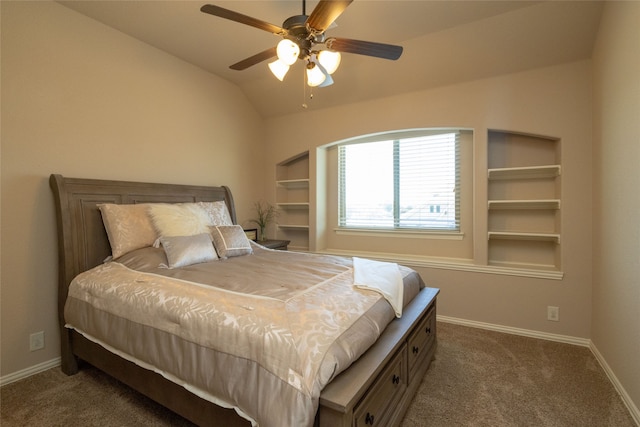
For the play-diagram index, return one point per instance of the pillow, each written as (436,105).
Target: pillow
(179,219)
(128,227)
(186,250)
(230,241)
(217,212)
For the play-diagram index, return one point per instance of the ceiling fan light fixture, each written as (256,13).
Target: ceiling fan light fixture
(328,81)
(279,69)
(330,60)
(287,51)
(300,35)
(315,76)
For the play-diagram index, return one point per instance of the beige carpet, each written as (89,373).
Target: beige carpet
(479,378)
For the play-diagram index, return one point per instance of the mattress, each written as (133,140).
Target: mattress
(261,333)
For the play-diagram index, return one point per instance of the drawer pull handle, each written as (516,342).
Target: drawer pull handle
(395,379)
(415,350)
(368,419)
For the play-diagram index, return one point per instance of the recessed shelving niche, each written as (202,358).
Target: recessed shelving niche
(292,199)
(524,200)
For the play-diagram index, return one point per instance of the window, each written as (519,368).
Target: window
(410,182)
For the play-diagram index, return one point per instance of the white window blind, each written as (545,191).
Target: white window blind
(404,183)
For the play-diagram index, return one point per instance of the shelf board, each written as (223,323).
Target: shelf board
(298,248)
(294,226)
(293,183)
(551,269)
(294,205)
(513,235)
(524,204)
(530,172)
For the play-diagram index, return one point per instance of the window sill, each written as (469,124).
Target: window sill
(403,233)
(457,264)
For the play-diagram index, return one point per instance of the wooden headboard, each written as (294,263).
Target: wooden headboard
(82,239)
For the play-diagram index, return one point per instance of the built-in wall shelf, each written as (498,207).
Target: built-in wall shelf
(294,205)
(511,235)
(531,172)
(524,200)
(292,200)
(293,226)
(543,269)
(524,204)
(294,183)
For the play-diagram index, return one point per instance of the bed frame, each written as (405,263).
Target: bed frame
(376,390)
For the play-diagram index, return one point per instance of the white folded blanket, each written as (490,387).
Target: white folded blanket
(382,277)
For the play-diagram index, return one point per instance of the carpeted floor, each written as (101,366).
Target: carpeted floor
(484,378)
(479,378)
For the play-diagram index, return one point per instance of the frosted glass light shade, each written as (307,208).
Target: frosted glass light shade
(279,69)
(287,51)
(315,76)
(328,81)
(329,60)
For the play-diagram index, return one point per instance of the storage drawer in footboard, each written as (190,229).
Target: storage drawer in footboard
(377,389)
(383,394)
(421,343)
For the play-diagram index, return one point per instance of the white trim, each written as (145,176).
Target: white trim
(399,232)
(457,264)
(633,409)
(27,372)
(583,342)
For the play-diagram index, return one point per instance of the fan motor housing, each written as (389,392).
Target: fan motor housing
(300,34)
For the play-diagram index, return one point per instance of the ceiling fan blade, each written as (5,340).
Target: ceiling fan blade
(243,19)
(255,59)
(325,12)
(379,50)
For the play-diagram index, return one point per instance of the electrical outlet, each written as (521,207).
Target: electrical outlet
(553,313)
(36,341)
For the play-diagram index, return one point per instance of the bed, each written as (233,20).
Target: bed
(371,383)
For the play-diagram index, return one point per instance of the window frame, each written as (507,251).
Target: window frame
(398,230)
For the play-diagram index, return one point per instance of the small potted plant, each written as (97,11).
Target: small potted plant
(266,214)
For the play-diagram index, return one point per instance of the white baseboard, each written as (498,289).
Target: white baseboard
(584,342)
(633,409)
(16,376)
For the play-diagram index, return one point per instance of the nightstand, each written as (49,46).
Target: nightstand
(275,244)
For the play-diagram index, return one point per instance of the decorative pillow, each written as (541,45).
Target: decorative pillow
(218,212)
(230,241)
(179,219)
(128,227)
(186,250)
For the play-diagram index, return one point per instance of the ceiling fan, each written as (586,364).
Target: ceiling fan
(303,37)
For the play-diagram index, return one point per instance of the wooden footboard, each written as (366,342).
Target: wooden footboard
(378,388)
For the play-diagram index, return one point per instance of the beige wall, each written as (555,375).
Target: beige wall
(615,325)
(554,101)
(84,100)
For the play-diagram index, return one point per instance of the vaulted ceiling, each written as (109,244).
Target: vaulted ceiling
(445,42)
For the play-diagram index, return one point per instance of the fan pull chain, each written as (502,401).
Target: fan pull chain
(304,92)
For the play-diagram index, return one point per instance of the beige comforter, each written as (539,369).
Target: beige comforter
(261,333)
